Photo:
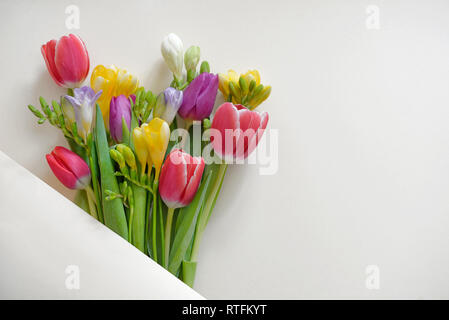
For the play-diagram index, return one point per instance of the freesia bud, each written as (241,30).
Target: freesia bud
(83,103)
(172,51)
(239,131)
(120,109)
(69,168)
(128,154)
(199,97)
(159,107)
(67,60)
(68,112)
(157,134)
(173,100)
(180,178)
(192,57)
(204,67)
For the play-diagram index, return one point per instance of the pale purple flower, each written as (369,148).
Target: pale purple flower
(83,103)
(173,100)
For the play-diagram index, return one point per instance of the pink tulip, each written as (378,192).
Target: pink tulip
(180,178)
(236,131)
(67,60)
(69,168)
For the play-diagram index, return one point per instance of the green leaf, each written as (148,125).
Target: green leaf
(93,161)
(81,200)
(186,228)
(188,272)
(113,211)
(134,124)
(138,226)
(125,132)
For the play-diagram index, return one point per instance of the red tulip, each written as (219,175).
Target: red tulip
(180,178)
(69,168)
(237,131)
(67,60)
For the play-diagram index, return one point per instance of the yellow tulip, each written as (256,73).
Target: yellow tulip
(141,148)
(114,82)
(157,134)
(126,83)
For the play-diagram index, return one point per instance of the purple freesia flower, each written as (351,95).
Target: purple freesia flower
(199,97)
(120,108)
(173,101)
(83,102)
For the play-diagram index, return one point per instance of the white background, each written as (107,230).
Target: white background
(363,120)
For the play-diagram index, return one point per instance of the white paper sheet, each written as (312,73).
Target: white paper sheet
(51,249)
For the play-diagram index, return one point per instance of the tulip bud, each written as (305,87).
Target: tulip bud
(247,128)
(69,168)
(172,51)
(199,97)
(120,109)
(67,60)
(83,103)
(192,57)
(180,178)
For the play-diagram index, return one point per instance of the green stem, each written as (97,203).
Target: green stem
(91,202)
(95,183)
(130,223)
(196,245)
(138,222)
(210,202)
(185,133)
(147,218)
(154,220)
(168,226)
(208,207)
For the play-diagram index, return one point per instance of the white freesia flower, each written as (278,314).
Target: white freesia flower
(173,52)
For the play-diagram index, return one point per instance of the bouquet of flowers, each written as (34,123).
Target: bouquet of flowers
(150,166)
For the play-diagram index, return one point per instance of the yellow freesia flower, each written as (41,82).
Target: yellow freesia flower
(244,89)
(141,148)
(157,134)
(113,82)
(224,79)
(261,97)
(252,75)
